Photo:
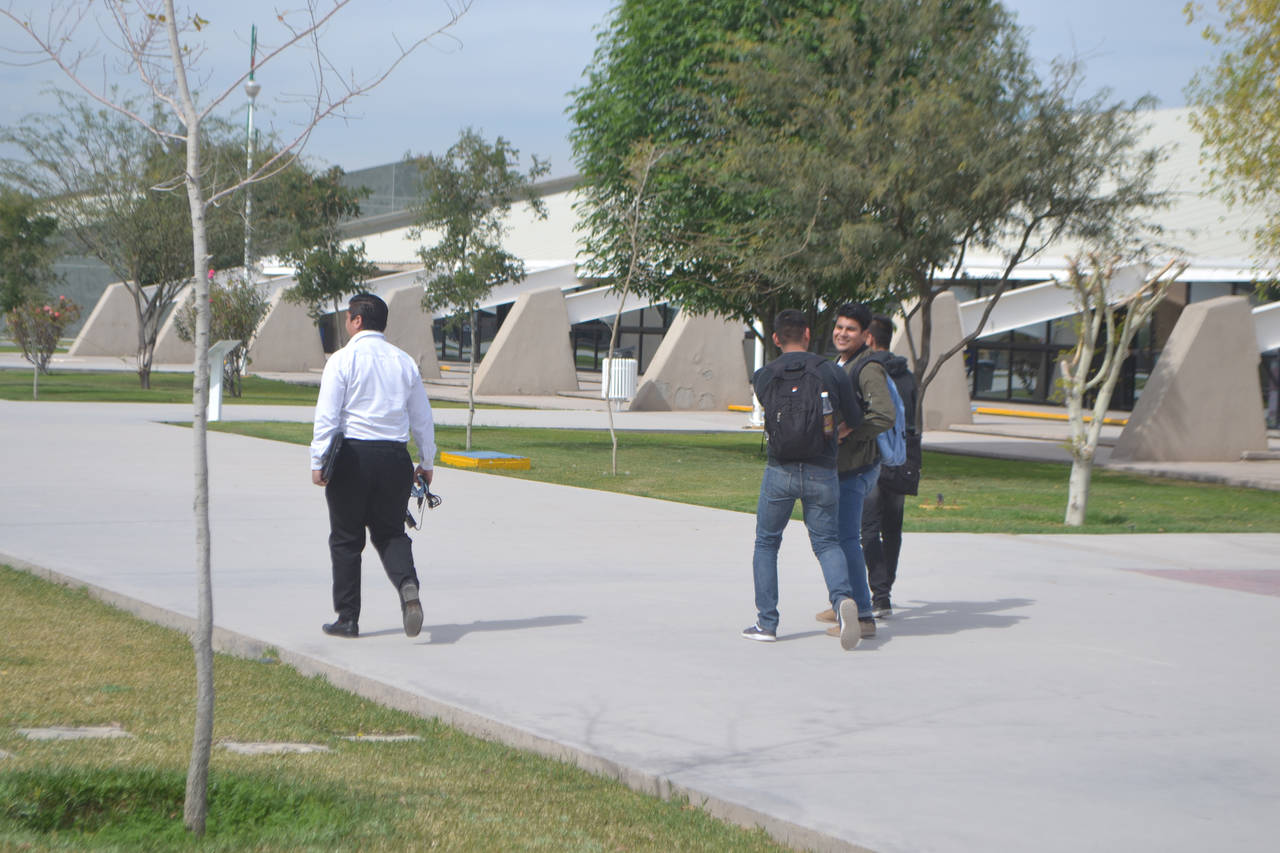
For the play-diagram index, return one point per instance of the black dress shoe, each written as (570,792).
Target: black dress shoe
(341,628)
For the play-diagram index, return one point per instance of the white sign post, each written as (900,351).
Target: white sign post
(217,354)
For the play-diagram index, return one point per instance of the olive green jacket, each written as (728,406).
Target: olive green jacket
(859,449)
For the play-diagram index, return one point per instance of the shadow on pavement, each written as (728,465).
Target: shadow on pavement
(444,634)
(950,617)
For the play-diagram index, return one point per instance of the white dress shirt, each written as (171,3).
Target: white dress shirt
(372,391)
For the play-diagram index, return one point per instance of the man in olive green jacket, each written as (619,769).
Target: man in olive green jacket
(858,460)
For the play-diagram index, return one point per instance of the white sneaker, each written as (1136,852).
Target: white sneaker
(850,633)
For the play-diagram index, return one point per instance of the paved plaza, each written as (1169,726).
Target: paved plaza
(1049,693)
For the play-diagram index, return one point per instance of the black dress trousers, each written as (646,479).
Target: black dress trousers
(369,489)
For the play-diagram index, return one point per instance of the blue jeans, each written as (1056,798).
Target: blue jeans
(818,491)
(853,491)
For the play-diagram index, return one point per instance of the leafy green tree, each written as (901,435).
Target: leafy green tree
(647,87)
(110,182)
(878,147)
(308,209)
(862,154)
(26,248)
(1237,109)
(466,196)
(236,310)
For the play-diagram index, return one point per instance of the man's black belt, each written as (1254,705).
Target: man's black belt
(372,442)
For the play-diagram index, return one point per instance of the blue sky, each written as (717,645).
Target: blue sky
(514,62)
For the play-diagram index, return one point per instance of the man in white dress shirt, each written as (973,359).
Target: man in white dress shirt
(372,393)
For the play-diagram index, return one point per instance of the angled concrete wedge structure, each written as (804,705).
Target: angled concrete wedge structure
(171,349)
(112,327)
(700,366)
(946,400)
(287,340)
(1202,402)
(531,352)
(409,327)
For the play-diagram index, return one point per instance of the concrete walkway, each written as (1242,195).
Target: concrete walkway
(1053,693)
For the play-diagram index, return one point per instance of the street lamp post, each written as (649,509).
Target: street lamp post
(251,88)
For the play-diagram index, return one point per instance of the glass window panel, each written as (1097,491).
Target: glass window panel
(1036,332)
(1063,331)
(1024,375)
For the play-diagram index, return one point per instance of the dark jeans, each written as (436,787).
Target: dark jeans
(854,489)
(818,491)
(882,540)
(369,489)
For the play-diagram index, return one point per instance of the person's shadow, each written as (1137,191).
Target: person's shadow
(936,617)
(931,618)
(451,633)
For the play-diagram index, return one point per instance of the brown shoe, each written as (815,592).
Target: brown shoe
(866,629)
(827,615)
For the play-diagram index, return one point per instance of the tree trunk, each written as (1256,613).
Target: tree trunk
(608,376)
(35,382)
(471,379)
(195,805)
(1078,489)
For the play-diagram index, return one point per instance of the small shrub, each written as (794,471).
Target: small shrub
(236,308)
(37,327)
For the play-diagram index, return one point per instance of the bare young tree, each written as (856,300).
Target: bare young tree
(466,195)
(1114,304)
(162,47)
(645,157)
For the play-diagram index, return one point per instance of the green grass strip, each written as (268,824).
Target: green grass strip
(88,386)
(446,791)
(978,495)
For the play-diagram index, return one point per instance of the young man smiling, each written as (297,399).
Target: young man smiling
(858,460)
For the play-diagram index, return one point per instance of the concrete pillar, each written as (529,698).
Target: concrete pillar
(946,400)
(287,341)
(409,327)
(531,353)
(1202,402)
(700,365)
(112,327)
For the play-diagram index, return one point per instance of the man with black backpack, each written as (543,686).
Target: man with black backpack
(801,393)
(859,457)
(883,509)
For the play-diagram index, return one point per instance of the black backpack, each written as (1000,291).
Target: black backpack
(792,402)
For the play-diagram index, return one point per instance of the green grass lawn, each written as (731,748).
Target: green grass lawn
(447,791)
(978,495)
(122,387)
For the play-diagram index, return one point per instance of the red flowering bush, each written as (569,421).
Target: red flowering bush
(37,327)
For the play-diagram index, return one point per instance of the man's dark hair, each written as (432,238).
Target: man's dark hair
(371,310)
(881,331)
(790,326)
(857,312)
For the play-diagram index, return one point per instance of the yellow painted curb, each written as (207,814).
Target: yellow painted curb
(735,408)
(1044,416)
